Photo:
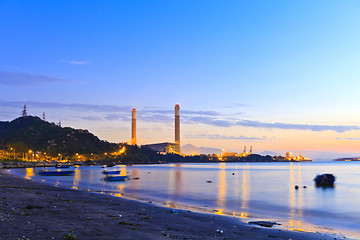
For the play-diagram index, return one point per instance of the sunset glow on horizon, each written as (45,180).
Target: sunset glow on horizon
(278,76)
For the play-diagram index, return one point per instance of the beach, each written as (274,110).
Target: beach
(33,210)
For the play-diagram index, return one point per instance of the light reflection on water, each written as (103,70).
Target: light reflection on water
(245,190)
(221,198)
(239,189)
(29,173)
(295,198)
(77,177)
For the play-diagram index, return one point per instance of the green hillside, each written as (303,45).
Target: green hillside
(30,132)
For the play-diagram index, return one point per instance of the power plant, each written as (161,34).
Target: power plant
(177,128)
(174,147)
(133,126)
(165,147)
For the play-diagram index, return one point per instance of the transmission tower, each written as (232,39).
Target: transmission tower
(24,113)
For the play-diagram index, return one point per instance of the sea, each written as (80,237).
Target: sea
(264,191)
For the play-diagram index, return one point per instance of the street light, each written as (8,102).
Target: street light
(30,151)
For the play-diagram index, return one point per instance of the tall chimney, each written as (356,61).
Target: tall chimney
(133,127)
(177,128)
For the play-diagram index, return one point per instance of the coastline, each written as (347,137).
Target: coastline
(46,212)
(22,164)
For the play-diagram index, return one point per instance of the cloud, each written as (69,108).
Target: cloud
(152,110)
(218,136)
(206,113)
(26,79)
(315,128)
(167,115)
(12,67)
(68,106)
(155,118)
(76,62)
(209,121)
(108,117)
(92,118)
(351,139)
(257,124)
(7,114)
(118,117)
(237,105)
(150,114)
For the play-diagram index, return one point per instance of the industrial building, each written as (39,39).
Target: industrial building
(165,147)
(162,148)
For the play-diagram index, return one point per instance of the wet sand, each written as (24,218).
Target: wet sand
(32,210)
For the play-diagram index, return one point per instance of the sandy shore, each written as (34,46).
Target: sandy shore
(31,210)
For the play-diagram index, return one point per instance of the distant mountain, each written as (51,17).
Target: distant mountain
(328,156)
(191,149)
(347,159)
(30,132)
(317,155)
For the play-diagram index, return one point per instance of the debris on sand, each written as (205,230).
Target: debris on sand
(264,223)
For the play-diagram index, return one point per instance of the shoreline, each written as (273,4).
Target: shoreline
(25,164)
(46,212)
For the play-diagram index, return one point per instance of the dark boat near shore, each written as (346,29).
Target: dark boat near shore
(61,166)
(106,172)
(56,173)
(324,180)
(115,178)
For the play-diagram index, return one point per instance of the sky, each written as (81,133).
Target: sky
(276,75)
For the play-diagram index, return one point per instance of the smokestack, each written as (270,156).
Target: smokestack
(250,149)
(177,128)
(133,127)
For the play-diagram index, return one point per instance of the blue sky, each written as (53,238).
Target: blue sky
(278,75)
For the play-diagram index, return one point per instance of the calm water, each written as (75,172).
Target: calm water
(243,189)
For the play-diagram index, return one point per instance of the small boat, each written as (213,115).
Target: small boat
(324,180)
(62,166)
(106,172)
(56,173)
(115,178)
(111,165)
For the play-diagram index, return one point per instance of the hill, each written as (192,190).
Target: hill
(347,159)
(30,132)
(191,149)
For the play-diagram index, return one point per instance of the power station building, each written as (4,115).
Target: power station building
(165,147)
